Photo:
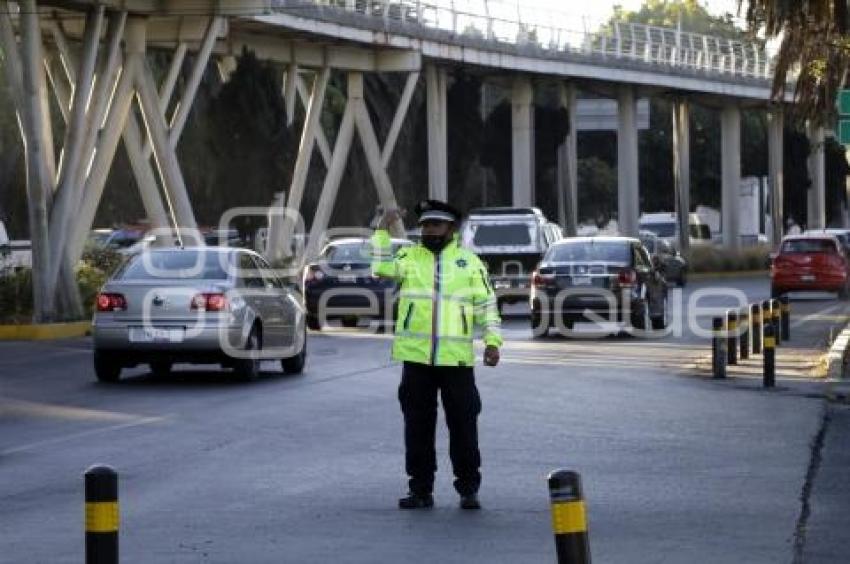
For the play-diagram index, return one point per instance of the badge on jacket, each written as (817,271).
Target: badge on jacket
(461,263)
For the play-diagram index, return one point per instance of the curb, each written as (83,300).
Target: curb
(836,354)
(44,331)
(726,274)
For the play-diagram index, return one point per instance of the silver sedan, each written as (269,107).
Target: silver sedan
(198,305)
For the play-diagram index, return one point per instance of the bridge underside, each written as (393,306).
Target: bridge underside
(65,45)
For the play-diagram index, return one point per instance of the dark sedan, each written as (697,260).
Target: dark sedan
(340,285)
(663,254)
(608,279)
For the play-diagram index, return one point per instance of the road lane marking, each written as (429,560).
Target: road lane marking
(16,407)
(75,436)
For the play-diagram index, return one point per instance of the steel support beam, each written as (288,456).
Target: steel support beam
(730,152)
(682,170)
(628,186)
(522,141)
(775,143)
(398,118)
(321,138)
(567,165)
(281,226)
(290,83)
(816,209)
(435,86)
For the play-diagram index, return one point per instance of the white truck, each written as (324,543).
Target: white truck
(14,254)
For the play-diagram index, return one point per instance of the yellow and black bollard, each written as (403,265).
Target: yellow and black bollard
(776,314)
(769,356)
(569,517)
(766,317)
(755,327)
(101,515)
(731,337)
(744,324)
(785,308)
(718,348)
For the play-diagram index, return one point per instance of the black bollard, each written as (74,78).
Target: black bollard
(776,314)
(569,517)
(766,318)
(785,307)
(744,324)
(755,327)
(731,337)
(718,348)
(769,357)
(101,515)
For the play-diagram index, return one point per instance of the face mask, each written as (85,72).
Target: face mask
(434,243)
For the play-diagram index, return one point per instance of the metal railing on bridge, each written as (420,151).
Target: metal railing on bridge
(503,23)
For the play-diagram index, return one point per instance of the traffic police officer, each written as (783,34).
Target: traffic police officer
(444,291)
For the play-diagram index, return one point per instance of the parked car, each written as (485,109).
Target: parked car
(673,265)
(125,237)
(340,285)
(612,277)
(664,225)
(197,305)
(810,263)
(511,242)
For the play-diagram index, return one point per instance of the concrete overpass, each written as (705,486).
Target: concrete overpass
(97,84)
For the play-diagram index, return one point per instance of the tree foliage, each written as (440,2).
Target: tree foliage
(815,47)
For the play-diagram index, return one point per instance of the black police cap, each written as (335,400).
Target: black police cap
(435,210)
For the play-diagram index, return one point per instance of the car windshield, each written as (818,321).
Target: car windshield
(501,234)
(124,239)
(178,264)
(661,229)
(590,251)
(649,243)
(354,252)
(808,246)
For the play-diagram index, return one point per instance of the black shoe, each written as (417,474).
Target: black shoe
(416,501)
(470,502)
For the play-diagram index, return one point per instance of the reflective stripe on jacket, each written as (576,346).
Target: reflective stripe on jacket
(441,300)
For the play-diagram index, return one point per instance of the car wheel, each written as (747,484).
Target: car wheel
(539,326)
(661,321)
(105,368)
(160,368)
(349,321)
(295,364)
(844,293)
(777,293)
(313,323)
(640,319)
(248,369)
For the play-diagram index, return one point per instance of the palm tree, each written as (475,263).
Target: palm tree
(815,46)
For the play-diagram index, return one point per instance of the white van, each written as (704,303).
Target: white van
(663,224)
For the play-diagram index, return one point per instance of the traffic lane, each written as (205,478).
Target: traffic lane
(308,469)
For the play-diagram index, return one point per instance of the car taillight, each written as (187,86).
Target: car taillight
(540,279)
(627,277)
(313,274)
(209,302)
(111,302)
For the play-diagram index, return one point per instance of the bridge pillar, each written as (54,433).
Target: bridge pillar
(628,202)
(682,169)
(730,163)
(816,209)
(775,141)
(567,173)
(522,127)
(436,81)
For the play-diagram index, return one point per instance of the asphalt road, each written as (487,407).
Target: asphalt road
(676,467)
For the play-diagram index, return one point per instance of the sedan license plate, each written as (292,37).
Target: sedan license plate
(349,278)
(807,277)
(581,281)
(156,335)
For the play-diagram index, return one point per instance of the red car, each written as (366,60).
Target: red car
(810,263)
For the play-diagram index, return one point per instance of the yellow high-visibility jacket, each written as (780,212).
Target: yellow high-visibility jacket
(441,299)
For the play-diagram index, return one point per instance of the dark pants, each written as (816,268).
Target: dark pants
(462,404)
